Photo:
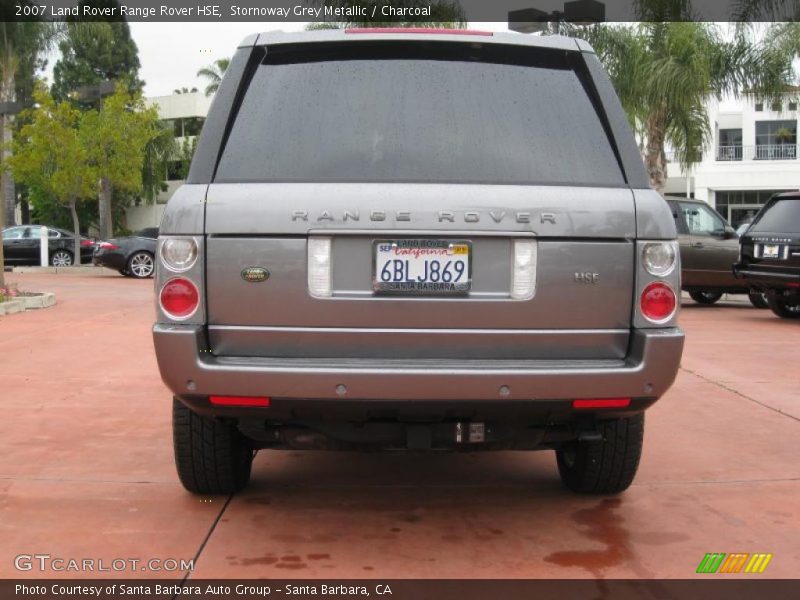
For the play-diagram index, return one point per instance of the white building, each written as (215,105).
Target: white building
(752,155)
(186,112)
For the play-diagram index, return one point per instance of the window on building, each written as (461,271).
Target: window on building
(186,127)
(776,140)
(175,170)
(192,126)
(730,144)
(792,105)
(777,107)
(739,206)
(759,106)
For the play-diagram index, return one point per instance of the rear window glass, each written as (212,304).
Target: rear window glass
(150,232)
(779,216)
(417,114)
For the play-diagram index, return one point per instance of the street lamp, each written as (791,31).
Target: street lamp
(531,20)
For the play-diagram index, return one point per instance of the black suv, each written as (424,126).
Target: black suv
(770,254)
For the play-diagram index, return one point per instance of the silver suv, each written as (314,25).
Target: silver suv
(424,241)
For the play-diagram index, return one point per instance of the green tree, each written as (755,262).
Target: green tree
(22,48)
(214,73)
(665,73)
(50,154)
(93,52)
(159,151)
(117,135)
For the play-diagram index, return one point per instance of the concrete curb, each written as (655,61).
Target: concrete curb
(23,303)
(9,307)
(83,270)
(44,300)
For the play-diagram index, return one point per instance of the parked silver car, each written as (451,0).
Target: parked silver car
(402,240)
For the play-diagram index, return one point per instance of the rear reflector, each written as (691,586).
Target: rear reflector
(601,403)
(239,400)
(417,30)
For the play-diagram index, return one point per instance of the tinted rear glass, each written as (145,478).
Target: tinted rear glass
(779,216)
(150,232)
(418,113)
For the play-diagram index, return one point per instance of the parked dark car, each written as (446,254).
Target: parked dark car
(21,246)
(770,254)
(709,246)
(132,256)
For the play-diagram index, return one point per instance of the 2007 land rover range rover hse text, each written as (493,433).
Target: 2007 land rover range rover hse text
(422,241)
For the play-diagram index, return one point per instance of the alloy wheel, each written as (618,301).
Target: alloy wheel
(141,265)
(61,258)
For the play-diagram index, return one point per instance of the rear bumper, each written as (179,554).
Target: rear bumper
(766,278)
(111,260)
(189,369)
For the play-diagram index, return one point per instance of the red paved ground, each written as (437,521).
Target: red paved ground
(86,468)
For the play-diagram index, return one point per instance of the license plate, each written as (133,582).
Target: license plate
(422,266)
(771,251)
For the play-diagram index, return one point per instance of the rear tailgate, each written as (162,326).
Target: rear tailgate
(396,140)
(578,231)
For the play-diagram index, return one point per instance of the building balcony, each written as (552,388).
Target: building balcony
(757,152)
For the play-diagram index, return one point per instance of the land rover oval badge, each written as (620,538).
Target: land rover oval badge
(255,274)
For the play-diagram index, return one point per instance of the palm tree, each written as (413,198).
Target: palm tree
(213,73)
(664,74)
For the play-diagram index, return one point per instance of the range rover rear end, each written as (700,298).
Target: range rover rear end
(421,241)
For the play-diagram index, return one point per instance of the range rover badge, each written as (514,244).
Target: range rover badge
(255,274)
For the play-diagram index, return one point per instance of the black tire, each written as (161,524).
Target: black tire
(141,265)
(703,297)
(783,307)
(758,300)
(212,457)
(61,258)
(606,467)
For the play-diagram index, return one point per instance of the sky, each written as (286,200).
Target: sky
(172,53)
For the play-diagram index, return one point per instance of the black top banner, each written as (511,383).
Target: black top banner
(402,11)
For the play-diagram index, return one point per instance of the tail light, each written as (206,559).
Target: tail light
(179,298)
(658,302)
(87,243)
(659,258)
(180,279)
(107,246)
(658,283)
(178,253)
